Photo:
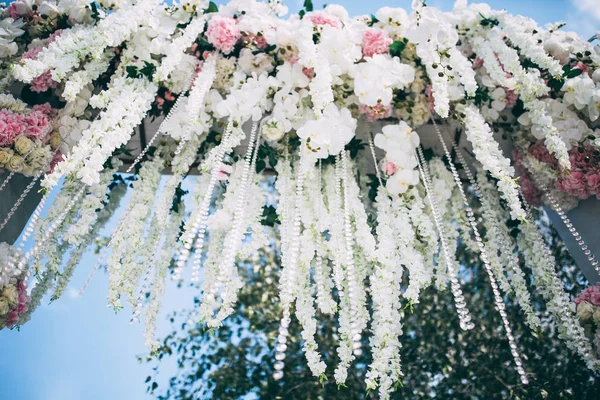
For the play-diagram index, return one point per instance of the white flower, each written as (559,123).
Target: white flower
(375,79)
(259,63)
(578,91)
(273,129)
(401,180)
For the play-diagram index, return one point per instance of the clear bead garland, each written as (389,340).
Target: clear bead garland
(53,227)
(464,316)
(513,264)
(20,200)
(500,306)
(235,237)
(290,272)
(576,235)
(194,236)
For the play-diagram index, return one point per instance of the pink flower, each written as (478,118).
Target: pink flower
(47,109)
(591,294)
(510,97)
(376,112)
(430,98)
(58,157)
(309,72)
(258,40)
(530,191)
(540,152)
(477,62)
(574,184)
(389,168)
(579,65)
(322,18)
(38,125)
(375,41)
(11,126)
(53,36)
(224,172)
(223,33)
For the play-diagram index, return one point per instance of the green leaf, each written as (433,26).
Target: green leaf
(308,5)
(132,71)
(212,8)
(573,73)
(397,47)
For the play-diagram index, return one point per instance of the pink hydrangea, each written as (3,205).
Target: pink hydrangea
(44,81)
(11,126)
(376,112)
(322,18)
(574,184)
(46,109)
(375,41)
(223,33)
(38,126)
(590,294)
(540,152)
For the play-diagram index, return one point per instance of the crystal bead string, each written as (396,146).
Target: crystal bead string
(576,235)
(28,231)
(562,299)
(482,249)
(350,267)
(462,310)
(161,128)
(195,235)
(106,248)
(53,227)
(290,276)
(372,148)
(20,200)
(162,224)
(232,242)
(319,273)
(486,206)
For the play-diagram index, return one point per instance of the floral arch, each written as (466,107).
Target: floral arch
(343,112)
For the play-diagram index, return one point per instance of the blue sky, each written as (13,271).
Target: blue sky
(77,348)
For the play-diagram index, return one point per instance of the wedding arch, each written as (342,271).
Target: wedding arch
(365,149)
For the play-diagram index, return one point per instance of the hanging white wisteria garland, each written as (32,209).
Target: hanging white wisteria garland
(321,100)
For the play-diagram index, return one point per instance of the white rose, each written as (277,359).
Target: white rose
(273,130)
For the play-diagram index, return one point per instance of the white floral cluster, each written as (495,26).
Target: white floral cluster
(127,102)
(74,45)
(488,152)
(123,269)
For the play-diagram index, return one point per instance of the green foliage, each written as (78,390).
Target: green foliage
(397,47)
(212,8)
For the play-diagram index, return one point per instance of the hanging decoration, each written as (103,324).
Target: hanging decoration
(312,125)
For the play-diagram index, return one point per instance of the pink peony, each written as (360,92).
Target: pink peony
(11,126)
(376,112)
(223,33)
(322,18)
(375,41)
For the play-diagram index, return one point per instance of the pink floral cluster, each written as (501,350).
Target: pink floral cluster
(375,41)
(379,111)
(35,125)
(43,82)
(322,18)
(591,295)
(583,180)
(223,33)
(20,308)
(530,192)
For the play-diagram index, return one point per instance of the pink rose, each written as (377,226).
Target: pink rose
(375,41)
(376,112)
(223,33)
(389,168)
